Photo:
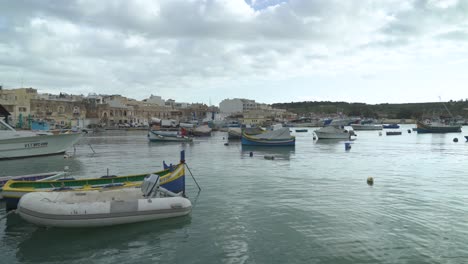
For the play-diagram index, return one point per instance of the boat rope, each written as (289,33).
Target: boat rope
(7,214)
(91,148)
(199,189)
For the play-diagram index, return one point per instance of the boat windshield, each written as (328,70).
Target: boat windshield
(5,127)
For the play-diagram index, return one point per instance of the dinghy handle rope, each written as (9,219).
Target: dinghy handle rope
(199,189)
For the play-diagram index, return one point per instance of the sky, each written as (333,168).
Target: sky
(272,51)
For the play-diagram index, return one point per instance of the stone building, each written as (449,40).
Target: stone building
(62,112)
(237,105)
(17,102)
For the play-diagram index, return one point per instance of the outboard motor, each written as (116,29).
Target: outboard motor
(150,185)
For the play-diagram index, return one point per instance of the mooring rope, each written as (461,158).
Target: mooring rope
(193,176)
(7,214)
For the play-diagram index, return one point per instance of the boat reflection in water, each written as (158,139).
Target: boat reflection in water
(333,145)
(283,152)
(86,242)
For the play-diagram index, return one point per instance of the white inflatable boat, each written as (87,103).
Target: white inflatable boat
(103,208)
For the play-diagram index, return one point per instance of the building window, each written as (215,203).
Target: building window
(22,109)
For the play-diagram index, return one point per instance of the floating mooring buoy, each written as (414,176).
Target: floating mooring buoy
(380,133)
(251,154)
(226,144)
(269,157)
(455,140)
(370,180)
(347,145)
(409,131)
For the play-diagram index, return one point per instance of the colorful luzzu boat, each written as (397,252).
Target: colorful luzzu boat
(171,178)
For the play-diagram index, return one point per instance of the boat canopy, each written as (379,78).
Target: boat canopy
(282,133)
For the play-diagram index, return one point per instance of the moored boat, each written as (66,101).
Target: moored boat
(202,131)
(22,144)
(466,137)
(172,179)
(165,133)
(103,207)
(393,133)
(32,177)
(435,127)
(390,126)
(280,137)
(167,136)
(332,132)
(234,133)
(366,127)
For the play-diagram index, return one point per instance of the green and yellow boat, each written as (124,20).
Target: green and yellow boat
(172,178)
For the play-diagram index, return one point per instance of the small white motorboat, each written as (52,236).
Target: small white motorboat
(104,207)
(157,136)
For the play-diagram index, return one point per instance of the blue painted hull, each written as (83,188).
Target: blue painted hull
(175,186)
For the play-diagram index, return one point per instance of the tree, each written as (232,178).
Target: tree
(404,114)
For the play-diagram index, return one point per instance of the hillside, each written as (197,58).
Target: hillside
(397,111)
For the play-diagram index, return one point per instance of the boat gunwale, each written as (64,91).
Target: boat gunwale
(127,180)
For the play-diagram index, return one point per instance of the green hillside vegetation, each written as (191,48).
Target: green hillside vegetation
(394,111)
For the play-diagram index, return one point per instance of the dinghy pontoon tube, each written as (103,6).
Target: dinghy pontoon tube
(103,207)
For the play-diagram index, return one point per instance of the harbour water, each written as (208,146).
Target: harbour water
(311,204)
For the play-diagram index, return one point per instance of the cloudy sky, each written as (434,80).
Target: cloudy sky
(268,50)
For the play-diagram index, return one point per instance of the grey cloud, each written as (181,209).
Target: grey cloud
(176,44)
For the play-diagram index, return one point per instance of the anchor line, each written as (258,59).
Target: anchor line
(199,189)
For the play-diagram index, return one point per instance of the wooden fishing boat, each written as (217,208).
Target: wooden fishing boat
(366,127)
(32,177)
(103,207)
(437,128)
(172,178)
(280,137)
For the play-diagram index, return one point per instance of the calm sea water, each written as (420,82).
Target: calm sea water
(311,204)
